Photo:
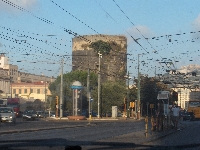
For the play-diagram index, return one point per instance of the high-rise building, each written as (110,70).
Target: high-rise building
(112,66)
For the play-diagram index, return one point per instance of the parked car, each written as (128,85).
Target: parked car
(7,114)
(29,115)
(187,115)
(42,114)
(52,114)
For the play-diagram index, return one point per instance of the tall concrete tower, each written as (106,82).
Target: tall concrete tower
(113,66)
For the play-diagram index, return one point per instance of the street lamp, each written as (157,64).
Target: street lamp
(99,81)
(138,91)
(128,99)
(61,90)
(11,87)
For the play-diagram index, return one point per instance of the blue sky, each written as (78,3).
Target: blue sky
(154,23)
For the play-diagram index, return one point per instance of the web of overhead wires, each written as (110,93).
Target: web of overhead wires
(157,38)
(74,16)
(33,51)
(45,20)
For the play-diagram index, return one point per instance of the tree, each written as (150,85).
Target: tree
(101,46)
(149,88)
(68,79)
(112,94)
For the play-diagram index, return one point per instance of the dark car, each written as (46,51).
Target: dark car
(29,115)
(187,116)
(42,114)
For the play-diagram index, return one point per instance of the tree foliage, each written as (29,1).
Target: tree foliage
(112,94)
(100,46)
(149,88)
(68,79)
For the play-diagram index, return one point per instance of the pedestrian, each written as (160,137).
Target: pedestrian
(171,116)
(175,111)
(160,115)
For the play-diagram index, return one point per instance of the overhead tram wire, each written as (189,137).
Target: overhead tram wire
(134,25)
(75,17)
(5,37)
(75,34)
(137,29)
(28,53)
(46,20)
(42,51)
(125,30)
(25,36)
(31,38)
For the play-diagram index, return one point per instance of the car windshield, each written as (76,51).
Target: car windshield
(6,110)
(100,74)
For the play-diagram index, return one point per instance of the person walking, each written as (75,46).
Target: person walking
(175,111)
(160,115)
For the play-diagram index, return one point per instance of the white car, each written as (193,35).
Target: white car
(7,114)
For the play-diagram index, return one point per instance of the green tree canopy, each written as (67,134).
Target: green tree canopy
(112,94)
(101,46)
(68,79)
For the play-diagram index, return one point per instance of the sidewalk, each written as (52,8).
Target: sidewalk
(133,140)
(141,136)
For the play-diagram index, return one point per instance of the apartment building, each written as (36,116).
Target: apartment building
(10,77)
(31,91)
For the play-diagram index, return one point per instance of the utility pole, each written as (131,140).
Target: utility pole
(10,87)
(61,90)
(99,81)
(138,92)
(45,94)
(128,99)
(88,92)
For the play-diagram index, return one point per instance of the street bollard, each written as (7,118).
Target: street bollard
(146,126)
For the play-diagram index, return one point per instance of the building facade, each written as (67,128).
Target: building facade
(10,76)
(112,66)
(31,91)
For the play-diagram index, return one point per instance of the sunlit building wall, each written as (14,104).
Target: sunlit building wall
(112,67)
(31,91)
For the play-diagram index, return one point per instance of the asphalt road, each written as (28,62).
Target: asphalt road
(102,134)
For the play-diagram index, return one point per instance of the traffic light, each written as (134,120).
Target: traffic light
(56,100)
(132,104)
(125,100)
(56,106)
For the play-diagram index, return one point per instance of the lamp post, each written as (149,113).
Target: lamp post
(10,87)
(61,90)
(138,91)
(179,91)
(128,98)
(45,93)
(99,82)
(88,93)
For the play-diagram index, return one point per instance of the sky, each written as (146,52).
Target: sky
(37,34)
